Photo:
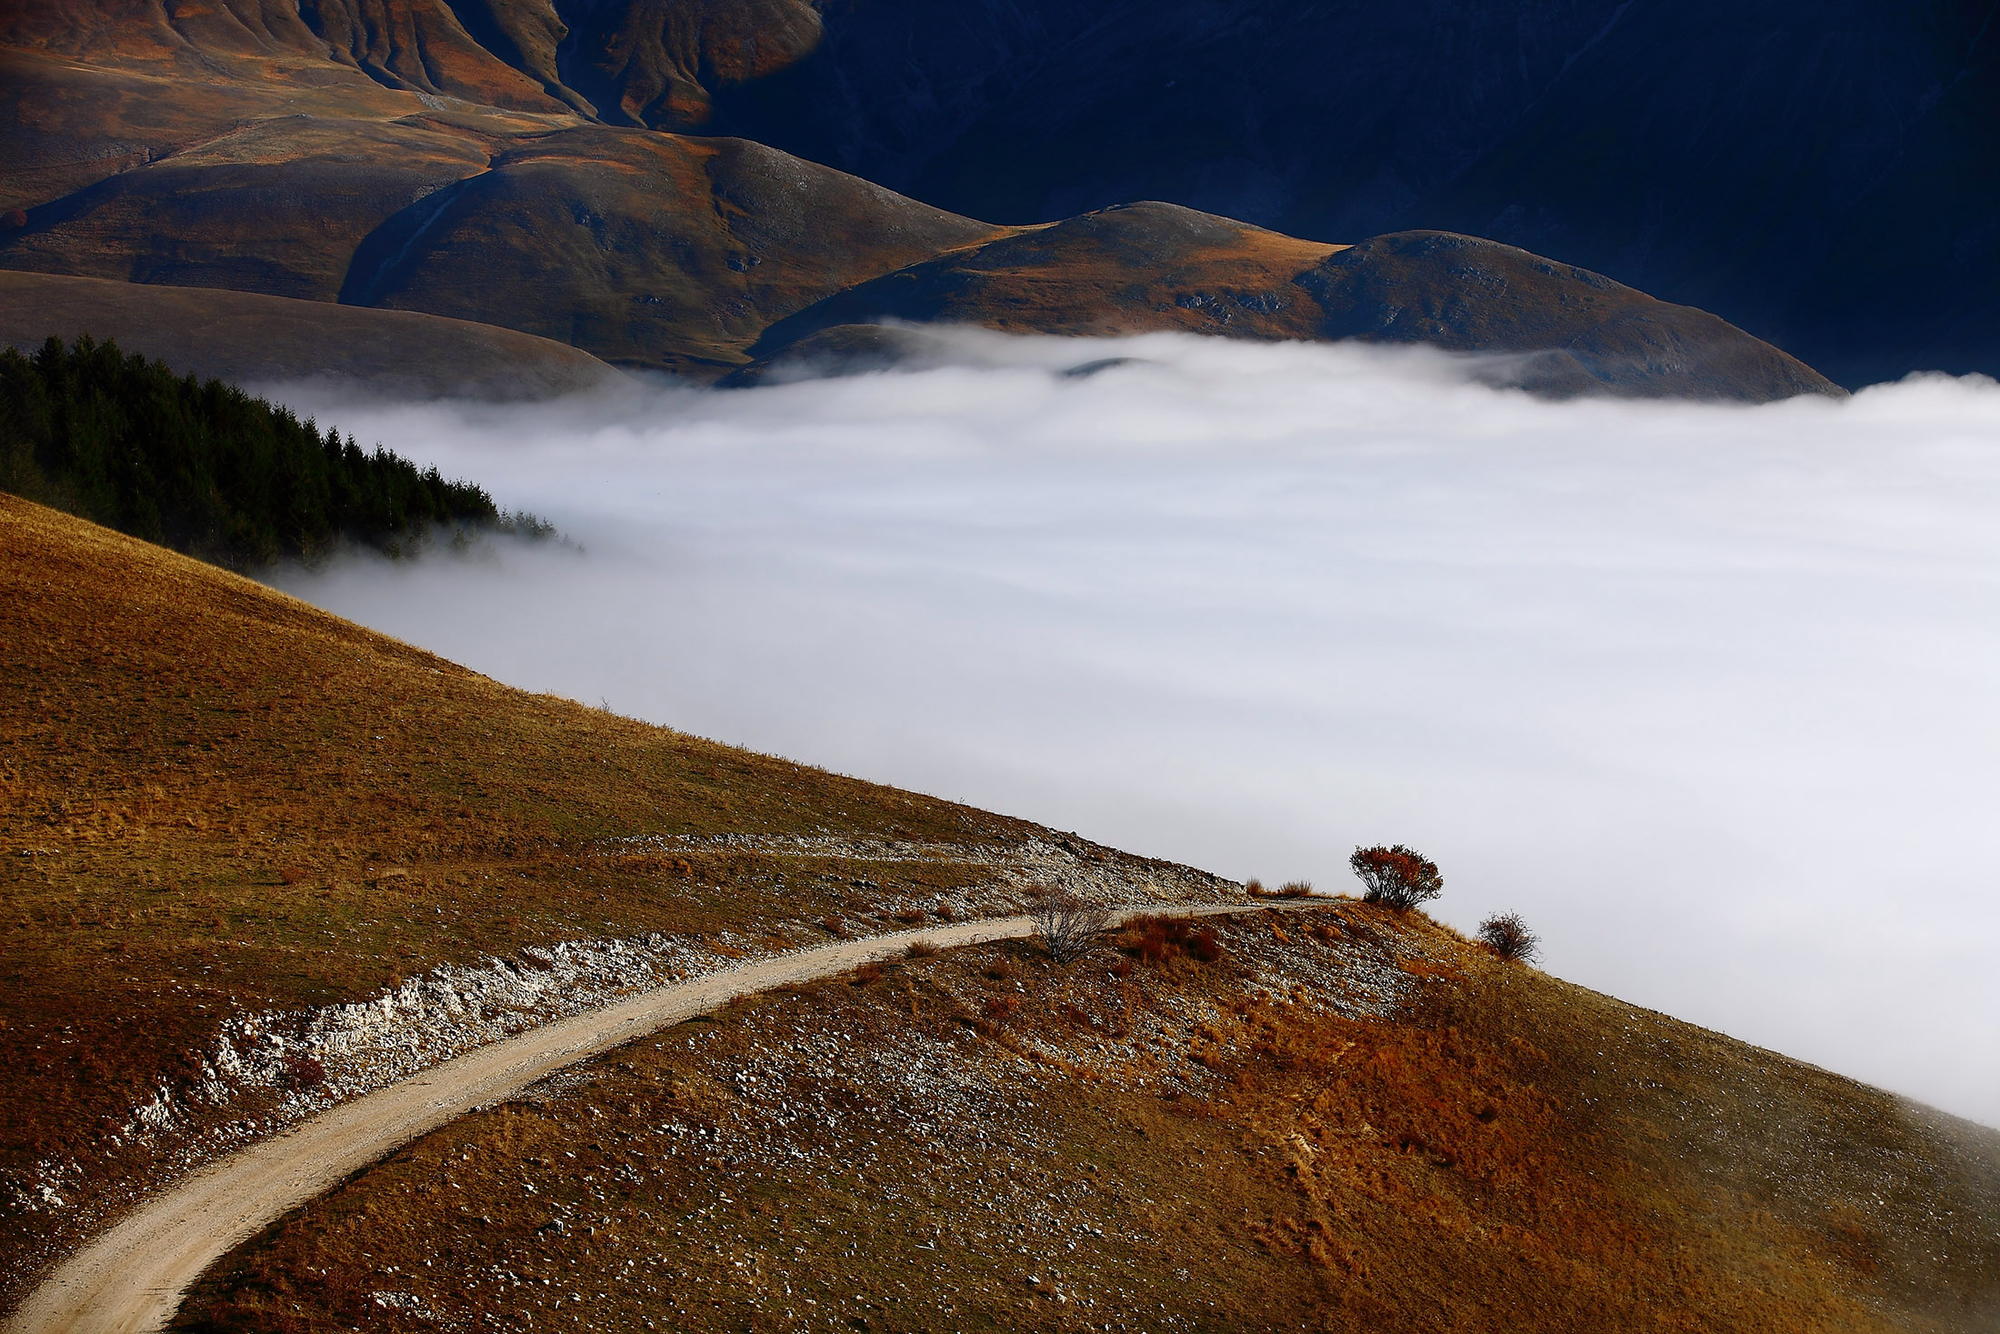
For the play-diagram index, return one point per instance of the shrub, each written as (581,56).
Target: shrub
(835,927)
(1066,925)
(922,949)
(1295,889)
(1396,877)
(1158,939)
(1509,937)
(1253,886)
(911,916)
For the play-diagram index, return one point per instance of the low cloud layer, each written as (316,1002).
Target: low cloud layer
(1707,693)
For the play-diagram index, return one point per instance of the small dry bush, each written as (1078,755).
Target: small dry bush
(835,927)
(911,916)
(1509,937)
(1066,925)
(1253,887)
(1295,889)
(923,949)
(866,973)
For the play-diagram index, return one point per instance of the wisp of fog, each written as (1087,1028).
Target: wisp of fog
(1710,694)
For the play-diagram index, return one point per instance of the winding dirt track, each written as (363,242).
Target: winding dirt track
(132,1277)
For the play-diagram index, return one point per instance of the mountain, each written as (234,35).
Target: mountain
(532,167)
(1819,174)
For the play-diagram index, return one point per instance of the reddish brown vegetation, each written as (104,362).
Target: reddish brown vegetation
(1397,877)
(1508,936)
(1156,940)
(1509,1155)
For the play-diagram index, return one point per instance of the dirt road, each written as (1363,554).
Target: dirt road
(131,1278)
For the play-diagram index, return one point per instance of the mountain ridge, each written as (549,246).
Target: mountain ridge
(327,155)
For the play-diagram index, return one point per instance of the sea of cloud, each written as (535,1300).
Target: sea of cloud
(1710,694)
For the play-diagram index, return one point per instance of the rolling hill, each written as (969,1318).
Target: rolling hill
(228,814)
(260,861)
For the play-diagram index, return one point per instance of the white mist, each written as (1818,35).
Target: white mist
(1710,694)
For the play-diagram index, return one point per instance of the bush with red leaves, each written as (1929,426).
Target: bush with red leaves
(1396,877)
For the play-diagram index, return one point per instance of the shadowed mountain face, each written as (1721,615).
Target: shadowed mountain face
(1820,174)
(525,163)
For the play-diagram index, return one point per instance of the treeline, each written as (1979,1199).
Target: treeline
(209,470)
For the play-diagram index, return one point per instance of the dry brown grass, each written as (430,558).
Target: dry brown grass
(1203,1145)
(215,799)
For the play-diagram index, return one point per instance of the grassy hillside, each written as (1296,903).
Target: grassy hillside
(226,813)
(244,338)
(218,802)
(1358,1123)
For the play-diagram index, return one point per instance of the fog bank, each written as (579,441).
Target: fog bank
(1707,693)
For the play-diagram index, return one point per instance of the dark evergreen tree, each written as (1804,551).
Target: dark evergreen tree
(206,468)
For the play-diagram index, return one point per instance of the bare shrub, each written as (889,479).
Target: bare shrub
(1396,877)
(1253,886)
(1295,889)
(1509,937)
(1066,924)
(922,949)
(866,973)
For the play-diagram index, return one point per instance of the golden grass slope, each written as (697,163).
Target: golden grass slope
(1349,1122)
(216,800)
